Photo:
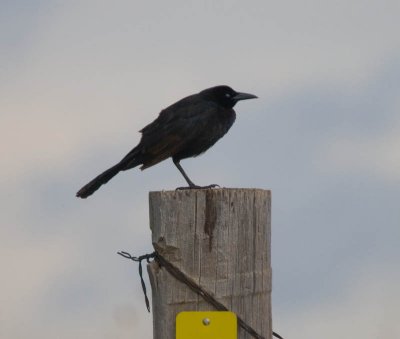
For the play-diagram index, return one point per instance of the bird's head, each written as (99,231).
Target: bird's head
(225,96)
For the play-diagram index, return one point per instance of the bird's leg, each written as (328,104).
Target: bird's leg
(190,182)
(178,165)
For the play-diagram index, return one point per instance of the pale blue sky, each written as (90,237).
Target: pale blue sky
(78,79)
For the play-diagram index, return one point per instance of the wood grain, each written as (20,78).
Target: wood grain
(221,238)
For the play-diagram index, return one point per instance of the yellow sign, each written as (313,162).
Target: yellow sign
(206,325)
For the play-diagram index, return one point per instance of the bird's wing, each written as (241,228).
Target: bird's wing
(175,127)
(182,109)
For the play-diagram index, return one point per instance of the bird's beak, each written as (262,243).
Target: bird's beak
(244,96)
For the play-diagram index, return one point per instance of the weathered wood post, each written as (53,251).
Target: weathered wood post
(221,239)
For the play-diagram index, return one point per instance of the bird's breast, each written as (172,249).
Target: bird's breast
(203,137)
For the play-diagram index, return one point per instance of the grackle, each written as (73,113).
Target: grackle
(185,129)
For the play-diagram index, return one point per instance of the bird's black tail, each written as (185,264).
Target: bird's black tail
(101,179)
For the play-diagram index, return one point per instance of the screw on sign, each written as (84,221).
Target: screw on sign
(206,325)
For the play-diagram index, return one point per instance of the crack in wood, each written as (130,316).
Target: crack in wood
(210,217)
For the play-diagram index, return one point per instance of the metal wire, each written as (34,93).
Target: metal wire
(179,275)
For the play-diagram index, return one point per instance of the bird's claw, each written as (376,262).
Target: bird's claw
(196,187)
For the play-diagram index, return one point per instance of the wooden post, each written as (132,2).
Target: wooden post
(221,239)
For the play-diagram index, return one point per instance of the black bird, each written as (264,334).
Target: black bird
(185,129)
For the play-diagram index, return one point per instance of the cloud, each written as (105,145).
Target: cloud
(370,142)
(367,309)
(378,156)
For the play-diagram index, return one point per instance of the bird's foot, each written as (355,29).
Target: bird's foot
(195,187)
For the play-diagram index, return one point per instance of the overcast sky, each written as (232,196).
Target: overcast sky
(78,79)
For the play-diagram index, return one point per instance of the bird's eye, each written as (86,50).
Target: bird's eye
(227,95)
